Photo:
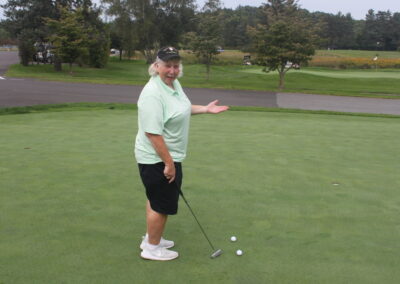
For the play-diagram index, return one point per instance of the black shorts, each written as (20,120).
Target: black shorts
(163,196)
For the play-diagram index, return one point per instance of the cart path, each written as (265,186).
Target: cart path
(7,58)
(28,92)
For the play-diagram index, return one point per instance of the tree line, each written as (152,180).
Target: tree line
(178,22)
(68,31)
(78,34)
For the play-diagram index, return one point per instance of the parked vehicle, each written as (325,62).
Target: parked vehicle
(292,65)
(43,53)
(247,60)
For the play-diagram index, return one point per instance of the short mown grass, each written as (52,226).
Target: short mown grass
(312,198)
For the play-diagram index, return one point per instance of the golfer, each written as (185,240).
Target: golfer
(160,147)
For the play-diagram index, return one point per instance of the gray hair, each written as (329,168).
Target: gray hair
(153,69)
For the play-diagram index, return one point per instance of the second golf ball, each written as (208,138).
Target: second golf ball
(239,252)
(233,239)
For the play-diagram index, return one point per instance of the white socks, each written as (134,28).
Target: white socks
(151,247)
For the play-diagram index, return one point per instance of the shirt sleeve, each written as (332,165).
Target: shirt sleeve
(151,118)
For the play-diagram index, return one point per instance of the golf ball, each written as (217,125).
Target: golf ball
(239,252)
(233,239)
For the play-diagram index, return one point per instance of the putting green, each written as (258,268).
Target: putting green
(311,199)
(337,74)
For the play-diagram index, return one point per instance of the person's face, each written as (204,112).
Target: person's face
(168,71)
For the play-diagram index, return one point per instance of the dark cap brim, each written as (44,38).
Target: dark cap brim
(170,57)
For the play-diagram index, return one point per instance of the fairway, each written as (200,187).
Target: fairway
(312,198)
(365,74)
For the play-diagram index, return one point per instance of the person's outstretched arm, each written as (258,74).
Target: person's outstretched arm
(210,108)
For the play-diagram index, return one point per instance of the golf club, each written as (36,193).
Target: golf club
(215,253)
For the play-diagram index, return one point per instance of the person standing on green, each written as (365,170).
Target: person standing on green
(163,116)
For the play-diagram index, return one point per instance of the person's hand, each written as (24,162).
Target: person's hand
(214,108)
(169,172)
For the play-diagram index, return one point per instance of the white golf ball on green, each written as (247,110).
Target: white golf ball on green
(233,239)
(239,252)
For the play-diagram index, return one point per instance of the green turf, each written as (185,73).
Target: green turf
(120,106)
(366,83)
(330,73)
(72,204)
(125,72)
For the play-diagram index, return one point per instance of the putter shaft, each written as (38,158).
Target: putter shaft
(215,253)
(190,209)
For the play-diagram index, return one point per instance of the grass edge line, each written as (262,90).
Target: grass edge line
(84,106)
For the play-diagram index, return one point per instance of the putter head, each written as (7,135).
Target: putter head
(216,253)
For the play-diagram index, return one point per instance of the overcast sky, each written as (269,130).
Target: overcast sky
(357,8)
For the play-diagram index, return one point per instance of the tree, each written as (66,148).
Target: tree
(385,29)
(396,28)
(122,35)
(161,23)
(371,36)
(176,17)
(380,31)
(205,43)
(286,41)
(69,38)
(97,34)
(154,23)
(26,50)
(24,20)
(340,31)
(116,39)
(122,27)
(5,37)
(146,27)
(235,23)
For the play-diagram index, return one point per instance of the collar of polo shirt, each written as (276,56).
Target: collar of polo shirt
(167,88)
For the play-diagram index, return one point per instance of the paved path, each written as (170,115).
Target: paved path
(338,103)
(26,92)
(6,59)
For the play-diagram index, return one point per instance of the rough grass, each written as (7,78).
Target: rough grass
(312,198)
(357,54)
(116,72)
(355,62)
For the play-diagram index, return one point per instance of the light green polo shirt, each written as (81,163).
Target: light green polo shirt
(166,112)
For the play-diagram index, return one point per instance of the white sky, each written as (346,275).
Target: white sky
(357,8)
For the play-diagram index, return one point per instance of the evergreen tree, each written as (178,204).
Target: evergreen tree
(380,31)
(25,22)
(69,36)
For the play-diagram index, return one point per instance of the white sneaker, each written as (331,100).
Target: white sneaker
(163,243)
(158,253)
